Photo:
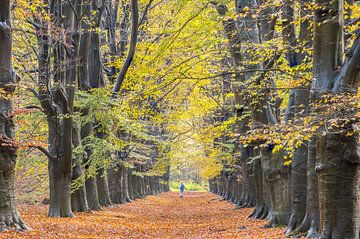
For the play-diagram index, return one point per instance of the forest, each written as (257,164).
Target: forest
(105,105)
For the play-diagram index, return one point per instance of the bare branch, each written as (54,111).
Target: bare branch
(44,151)
(133,41)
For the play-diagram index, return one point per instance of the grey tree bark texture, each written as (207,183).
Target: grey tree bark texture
(337,154)
(9,216)
(298,101)
(323,189)
(58,101)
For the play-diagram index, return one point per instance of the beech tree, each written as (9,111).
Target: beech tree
(258,97)
(308,205)
(9,214)
(337,154)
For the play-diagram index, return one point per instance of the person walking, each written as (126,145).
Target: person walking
(182,189)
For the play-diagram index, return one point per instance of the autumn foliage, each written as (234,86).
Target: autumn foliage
(106,102)
(197,215)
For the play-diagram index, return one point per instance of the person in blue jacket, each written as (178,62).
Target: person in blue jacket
(182,189)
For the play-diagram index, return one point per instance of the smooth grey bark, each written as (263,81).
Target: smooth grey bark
(92,194)
(237,188)
(95,68)
(166,179)
(270,186)
(152,186)
(265,157)
(212,185)
(266,22)
(72,22)
(142,186)
(125,185)
(9,216)
(311,221)
(91,76)
(261,209)
(54,103)
(83,58)
(298,188)
(231,189)
(115,186)
(157,184)
(231,31)
(248,193)
(60,169)
(78,197)
(139,190)
(135,186)
(131,185)
(146,185)
(96,80)
(338,161)
(90,182)
(298,101)
(277,177)
(103,188)
(84,82)
(139,182)
(111,30)
(264,113)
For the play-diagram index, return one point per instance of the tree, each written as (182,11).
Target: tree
(57,102)
(318,141)
(298,101)
(337,153)
(9,216)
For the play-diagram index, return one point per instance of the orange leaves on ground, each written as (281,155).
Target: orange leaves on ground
(198,215)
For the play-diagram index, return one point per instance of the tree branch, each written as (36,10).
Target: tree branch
(347,79)
(133,41)
(44,151)
(61,96)
(145,12)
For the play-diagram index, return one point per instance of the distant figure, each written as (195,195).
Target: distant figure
(182,189)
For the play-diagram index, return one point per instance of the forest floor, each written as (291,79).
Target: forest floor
(197,215)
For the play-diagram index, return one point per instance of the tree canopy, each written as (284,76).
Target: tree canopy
(110,98)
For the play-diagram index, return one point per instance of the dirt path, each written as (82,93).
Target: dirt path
(198,215)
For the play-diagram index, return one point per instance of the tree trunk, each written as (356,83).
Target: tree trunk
(78,197)
(298,188)
(261,208)
(124,185)
(338,172)
(60,128)
(84,82)
(338,160)
(264,113)
(114,186)
(90,182)
(96,80)
(92,193)
(136,186)
(103,188)
(277,179)
(298,99)
(131,185)
(60,168)
(248,193)
(9,216)
(73,25)
(310,223)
